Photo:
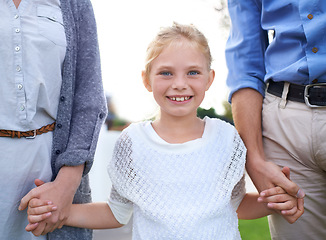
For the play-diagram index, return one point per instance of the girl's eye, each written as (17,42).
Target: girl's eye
(165,73)
(193,73)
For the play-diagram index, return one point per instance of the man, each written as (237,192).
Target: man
(286,125)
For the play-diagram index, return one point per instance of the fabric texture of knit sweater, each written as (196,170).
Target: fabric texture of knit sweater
(179,191)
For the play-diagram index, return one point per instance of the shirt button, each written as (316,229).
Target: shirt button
(310,16)
(315,81)
(16,16)
(22,107)
(20,86)
(18,68)
(17,49)
(17,30)
(314,50)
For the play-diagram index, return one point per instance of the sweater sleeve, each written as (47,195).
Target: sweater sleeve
(238,193)
(89,106)
(121,207)
(121,172)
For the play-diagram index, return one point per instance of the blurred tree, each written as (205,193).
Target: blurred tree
(226,116)
(227,110)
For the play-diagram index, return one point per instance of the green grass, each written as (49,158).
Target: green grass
(254,229)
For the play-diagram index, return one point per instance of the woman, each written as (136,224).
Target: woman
(52,108)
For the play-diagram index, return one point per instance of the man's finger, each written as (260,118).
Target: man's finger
(286,171)
(299,193)
(289,186)
(301,204)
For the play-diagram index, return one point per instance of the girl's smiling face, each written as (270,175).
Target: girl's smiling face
(179,78)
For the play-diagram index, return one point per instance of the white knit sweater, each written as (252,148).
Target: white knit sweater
(178,191)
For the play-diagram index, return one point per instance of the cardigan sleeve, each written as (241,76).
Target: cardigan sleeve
(88,109)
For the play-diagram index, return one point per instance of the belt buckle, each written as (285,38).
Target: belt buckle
(306,94)
(32,137)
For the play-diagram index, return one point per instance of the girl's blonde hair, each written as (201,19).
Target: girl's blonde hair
(169,35)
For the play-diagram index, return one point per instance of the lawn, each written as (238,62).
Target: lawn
(254,229)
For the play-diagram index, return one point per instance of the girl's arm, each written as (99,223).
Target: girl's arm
(96,215)
(250,208)
(90,215)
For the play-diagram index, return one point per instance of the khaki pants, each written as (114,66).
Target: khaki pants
(294,135)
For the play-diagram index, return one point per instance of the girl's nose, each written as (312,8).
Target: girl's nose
(179,82)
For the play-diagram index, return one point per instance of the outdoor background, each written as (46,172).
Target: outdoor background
(125,28)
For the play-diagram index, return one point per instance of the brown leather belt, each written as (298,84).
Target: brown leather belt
(29,134)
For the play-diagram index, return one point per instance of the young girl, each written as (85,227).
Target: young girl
(180,176)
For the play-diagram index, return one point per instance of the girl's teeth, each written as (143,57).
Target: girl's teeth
(180,99)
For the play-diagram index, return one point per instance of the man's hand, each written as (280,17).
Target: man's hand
(272,195)
(247,115)
(266,175)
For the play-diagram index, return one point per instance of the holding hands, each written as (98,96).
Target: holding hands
(277,199)
(61,192)
(55,216)
(291,207)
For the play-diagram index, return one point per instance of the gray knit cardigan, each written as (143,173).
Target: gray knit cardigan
(82,106)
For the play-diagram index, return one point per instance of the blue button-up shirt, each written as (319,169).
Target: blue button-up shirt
(295,53)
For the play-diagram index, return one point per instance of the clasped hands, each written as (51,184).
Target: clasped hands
(55,216)
(44,216)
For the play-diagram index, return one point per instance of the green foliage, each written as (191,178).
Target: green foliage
(254,229)
(227,110)
(117,122)
(227,115)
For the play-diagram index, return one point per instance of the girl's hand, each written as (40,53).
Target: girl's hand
(277,199)
(289,206)
(38,210)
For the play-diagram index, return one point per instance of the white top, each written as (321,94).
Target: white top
(32,51)
(178,191)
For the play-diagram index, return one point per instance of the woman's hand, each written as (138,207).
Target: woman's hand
(61,192)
